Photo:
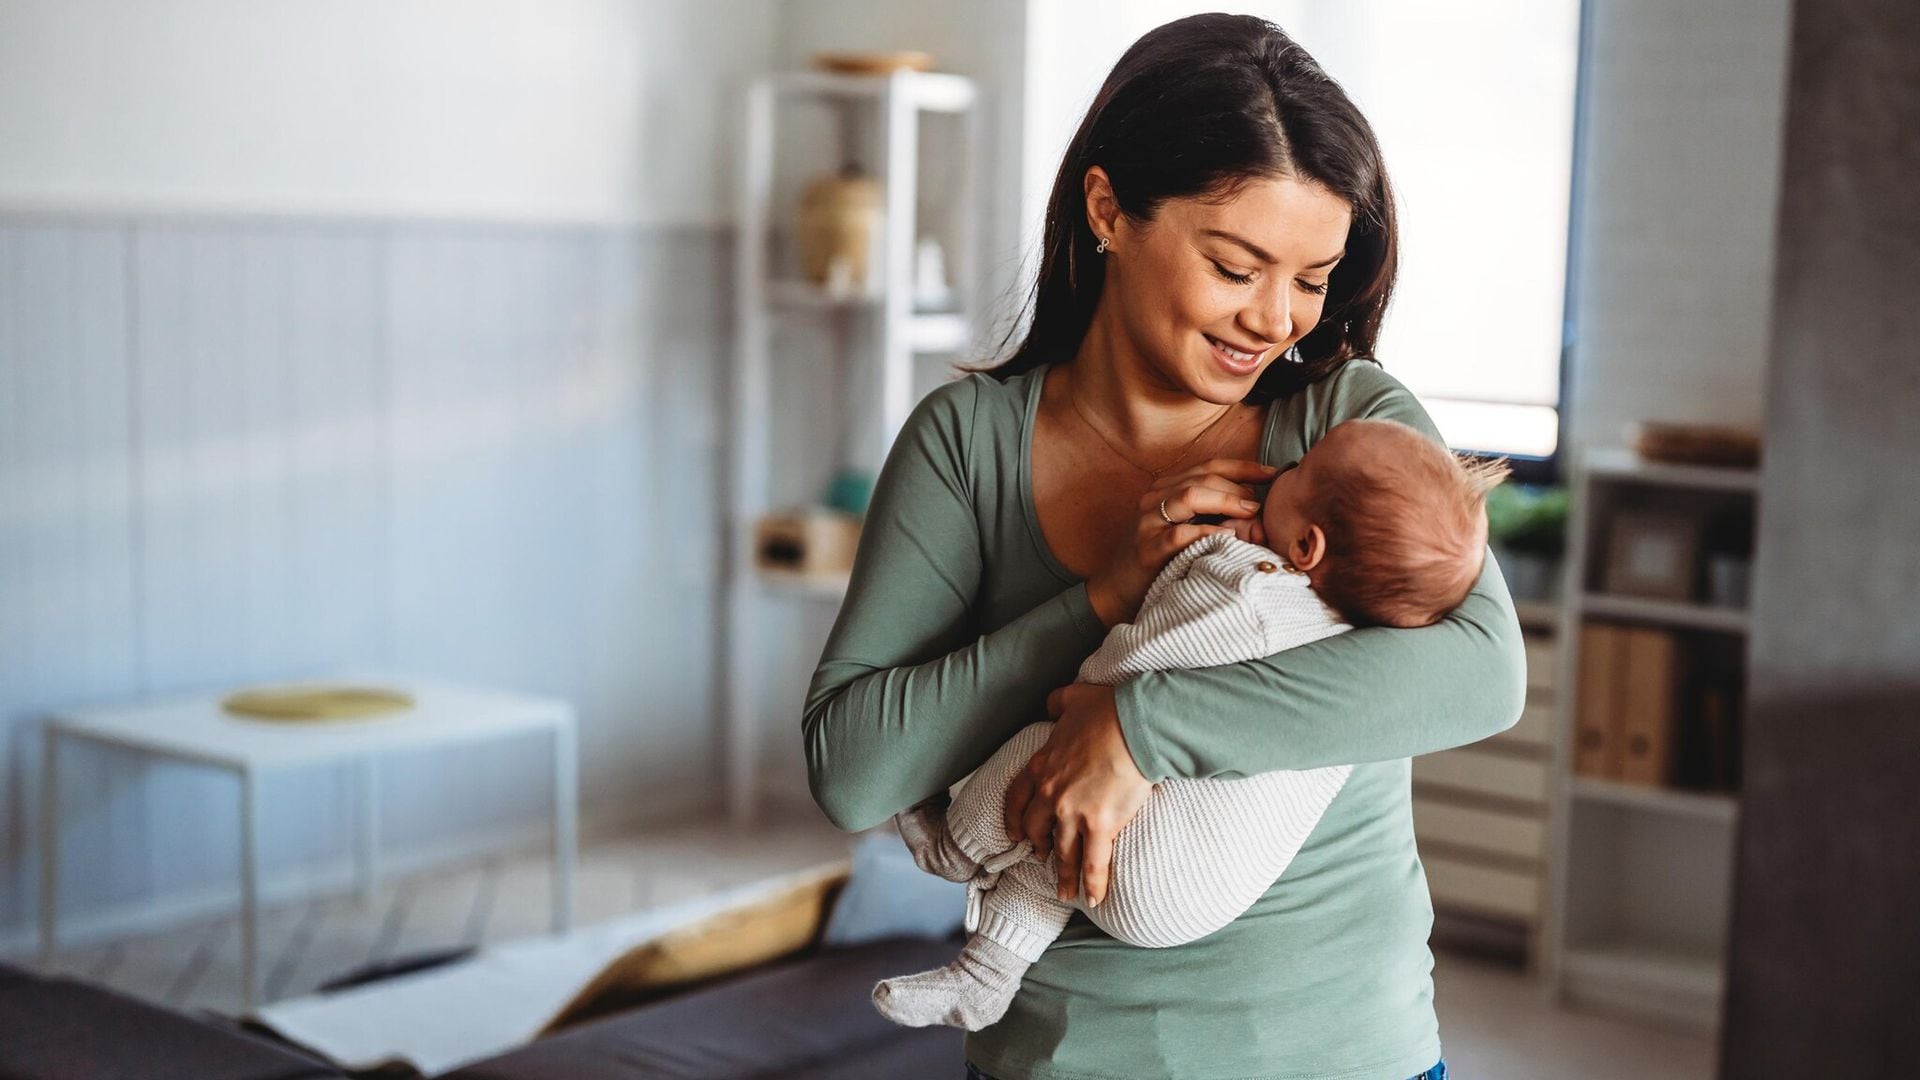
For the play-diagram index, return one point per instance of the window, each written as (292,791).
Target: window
(1474,105)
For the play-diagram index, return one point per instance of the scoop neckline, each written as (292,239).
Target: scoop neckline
(1036,378)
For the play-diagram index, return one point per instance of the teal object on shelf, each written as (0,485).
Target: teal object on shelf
(850,490)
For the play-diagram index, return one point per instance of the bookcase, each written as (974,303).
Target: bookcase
(1481,813)
(877,339)
(1645,792)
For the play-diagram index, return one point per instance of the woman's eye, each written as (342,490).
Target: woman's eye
(1317,290)
(1237,279)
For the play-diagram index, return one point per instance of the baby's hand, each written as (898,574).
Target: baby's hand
(1248,529)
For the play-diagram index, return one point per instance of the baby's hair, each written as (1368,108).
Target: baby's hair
(1407,541)
(1482,475)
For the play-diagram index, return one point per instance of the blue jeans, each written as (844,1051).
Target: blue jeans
(1438,1072)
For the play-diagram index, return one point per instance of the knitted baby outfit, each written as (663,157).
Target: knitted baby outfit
(1198,853)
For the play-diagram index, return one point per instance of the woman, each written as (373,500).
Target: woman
(1219,251)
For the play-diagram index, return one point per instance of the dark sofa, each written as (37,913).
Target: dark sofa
(808,1016)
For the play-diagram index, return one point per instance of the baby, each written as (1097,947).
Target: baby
(1377,525)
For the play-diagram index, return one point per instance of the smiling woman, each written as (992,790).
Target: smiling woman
(1266,247)
(1218,254)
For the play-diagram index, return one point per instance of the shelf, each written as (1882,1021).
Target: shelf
(1667,612)
(927,332)
(1616,464)
(1673,985)
(803,294)
(1537,615)
(931,91)
(938,332)
(875,329)
(805,586)
(1704,805)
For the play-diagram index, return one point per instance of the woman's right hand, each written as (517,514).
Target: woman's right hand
(1217,486)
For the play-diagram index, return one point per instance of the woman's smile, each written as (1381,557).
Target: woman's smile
(1237,362)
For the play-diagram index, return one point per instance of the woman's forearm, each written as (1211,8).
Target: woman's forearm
(1370,694)
(881,738)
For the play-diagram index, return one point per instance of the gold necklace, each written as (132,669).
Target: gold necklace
(1074,400)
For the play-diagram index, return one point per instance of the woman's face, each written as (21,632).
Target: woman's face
(1210,293)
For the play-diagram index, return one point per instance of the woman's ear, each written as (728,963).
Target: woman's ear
(1103,210)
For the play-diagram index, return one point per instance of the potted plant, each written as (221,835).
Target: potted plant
(1527,527)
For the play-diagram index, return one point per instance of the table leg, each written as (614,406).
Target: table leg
(249,888)
(566,781)
(369,845)
(49,846)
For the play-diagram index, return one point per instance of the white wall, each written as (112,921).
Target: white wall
(1072,46)
(1676,238)
(262,416)
(560,110)
(1680,181)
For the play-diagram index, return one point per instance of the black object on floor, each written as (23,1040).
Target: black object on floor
(400,965)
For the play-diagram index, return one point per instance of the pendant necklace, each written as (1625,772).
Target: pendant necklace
(1152,473)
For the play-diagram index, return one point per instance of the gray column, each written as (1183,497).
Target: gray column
(1824,950)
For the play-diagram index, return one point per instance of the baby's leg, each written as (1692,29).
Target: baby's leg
(967,839)
(1021,916)
(1200,852)
(923,827)
(977,817)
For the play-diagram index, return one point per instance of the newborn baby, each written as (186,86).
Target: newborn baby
(1377,525)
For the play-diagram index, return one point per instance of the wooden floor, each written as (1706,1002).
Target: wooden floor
(304,945)
(1494,1022)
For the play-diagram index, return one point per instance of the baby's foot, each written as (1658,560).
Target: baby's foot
(924,828)
(972,992)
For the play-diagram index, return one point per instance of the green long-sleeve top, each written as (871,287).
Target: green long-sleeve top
(960,620)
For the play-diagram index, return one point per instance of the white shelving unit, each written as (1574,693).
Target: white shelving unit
(1641,876)
(1480,814)
(892,108)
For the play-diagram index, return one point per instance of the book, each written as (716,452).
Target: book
(1648,698)
(1597,732)
(1708,754)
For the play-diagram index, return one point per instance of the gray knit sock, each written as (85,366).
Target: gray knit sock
(972,992)
(924,827)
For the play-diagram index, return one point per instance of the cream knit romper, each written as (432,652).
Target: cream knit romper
(1199,852)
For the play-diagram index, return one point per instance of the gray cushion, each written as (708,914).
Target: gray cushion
(61,1028)
(811,1016)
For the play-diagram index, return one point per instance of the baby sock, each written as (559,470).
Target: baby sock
(924,828)
(972,992)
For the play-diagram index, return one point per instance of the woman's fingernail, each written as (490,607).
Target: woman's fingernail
(1249,504)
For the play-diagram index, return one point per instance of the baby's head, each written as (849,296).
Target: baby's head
(1390,527)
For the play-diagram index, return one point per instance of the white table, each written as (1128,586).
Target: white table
(195,729)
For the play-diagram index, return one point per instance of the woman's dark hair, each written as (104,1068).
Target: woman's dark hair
(1199,107)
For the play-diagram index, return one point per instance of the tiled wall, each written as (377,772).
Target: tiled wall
(242,449)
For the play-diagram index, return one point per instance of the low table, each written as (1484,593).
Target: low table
(196,729)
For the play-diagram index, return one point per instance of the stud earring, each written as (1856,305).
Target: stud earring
(1102,247)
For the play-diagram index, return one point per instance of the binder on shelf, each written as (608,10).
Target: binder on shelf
(1648,703)
(1707,755)
(1597,727)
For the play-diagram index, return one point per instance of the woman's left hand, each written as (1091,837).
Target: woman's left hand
(1081,788)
